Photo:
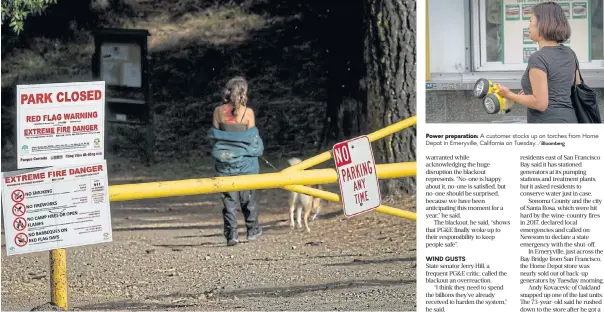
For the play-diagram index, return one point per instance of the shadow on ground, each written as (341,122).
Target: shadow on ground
(271,292)
(362,262)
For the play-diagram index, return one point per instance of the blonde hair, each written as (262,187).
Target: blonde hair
(235,93)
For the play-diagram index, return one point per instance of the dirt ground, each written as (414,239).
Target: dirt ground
(170,254)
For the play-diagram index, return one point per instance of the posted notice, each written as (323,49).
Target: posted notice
(56,207)
(60,123)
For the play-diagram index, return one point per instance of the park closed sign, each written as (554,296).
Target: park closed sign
(60,123)
(357,176)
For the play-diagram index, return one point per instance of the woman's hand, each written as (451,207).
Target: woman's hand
(539,98)
(504,91)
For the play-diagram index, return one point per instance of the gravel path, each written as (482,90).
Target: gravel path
(170,254)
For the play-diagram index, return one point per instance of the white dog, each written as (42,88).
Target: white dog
(302,201)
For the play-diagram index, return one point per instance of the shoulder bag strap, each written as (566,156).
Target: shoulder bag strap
(577,69)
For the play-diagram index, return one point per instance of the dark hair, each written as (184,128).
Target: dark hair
(552,22)
(235,93)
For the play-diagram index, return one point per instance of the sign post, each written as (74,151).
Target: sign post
(58,277)
(357,176)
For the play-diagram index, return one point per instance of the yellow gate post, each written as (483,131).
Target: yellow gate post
(58,277)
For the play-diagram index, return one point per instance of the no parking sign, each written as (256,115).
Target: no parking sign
(357,176)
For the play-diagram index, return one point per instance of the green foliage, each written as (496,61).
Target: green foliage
(16,11)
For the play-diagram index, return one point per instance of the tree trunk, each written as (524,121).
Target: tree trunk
(390,56)
(344,62)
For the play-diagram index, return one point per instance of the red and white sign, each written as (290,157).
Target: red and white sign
(357,176)
(17,196)
(60,207)
(19,224)
(60,123)
(21,240)
(19,209)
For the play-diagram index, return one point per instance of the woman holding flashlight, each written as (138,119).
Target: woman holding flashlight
(551,71)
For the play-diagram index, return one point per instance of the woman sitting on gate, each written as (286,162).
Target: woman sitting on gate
(237,146)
